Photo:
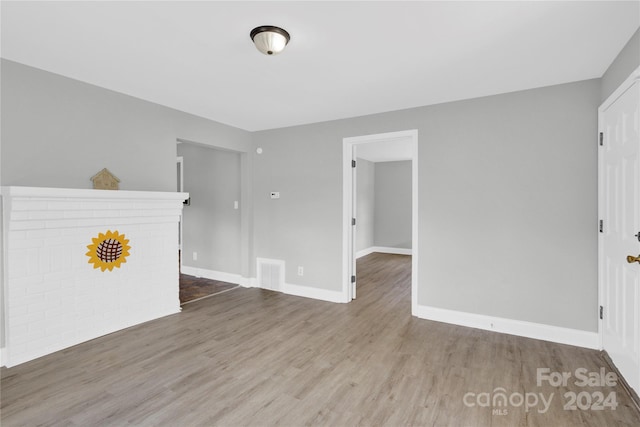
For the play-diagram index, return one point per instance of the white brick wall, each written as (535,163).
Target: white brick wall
(54,298)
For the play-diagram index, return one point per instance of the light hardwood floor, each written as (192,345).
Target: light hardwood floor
(251,357)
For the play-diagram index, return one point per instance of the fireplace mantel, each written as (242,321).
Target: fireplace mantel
(53,296)
(84,193)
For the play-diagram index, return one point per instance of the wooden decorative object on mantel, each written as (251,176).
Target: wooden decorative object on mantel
(105,180)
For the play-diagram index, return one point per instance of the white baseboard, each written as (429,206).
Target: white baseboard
(383,250)
(236,279)
(509,326)
(364,252)
(252,282)
(2,356)
(314,293)
(248,282)
(306,292)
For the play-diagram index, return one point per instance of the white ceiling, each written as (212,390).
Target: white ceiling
(345,59)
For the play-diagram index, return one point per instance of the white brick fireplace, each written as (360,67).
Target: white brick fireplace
(53,297)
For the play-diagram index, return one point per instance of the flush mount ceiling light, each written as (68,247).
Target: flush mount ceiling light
(270,40)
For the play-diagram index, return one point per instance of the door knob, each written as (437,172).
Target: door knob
(631,258)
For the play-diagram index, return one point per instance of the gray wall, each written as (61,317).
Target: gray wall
(365,204)
(508,202)
(304,226)
(625,63)
(211,225)
(393,204)
(58,132)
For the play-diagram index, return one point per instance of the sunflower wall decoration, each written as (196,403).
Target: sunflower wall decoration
(108,250)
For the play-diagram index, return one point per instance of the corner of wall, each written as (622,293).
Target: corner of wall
(627,60)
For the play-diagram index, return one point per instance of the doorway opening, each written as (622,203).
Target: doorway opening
(211,223)
(397,147)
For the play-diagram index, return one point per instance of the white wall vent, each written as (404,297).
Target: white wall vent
(270,274)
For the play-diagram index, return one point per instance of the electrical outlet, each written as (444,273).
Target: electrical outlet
(300,270)
(235,204)
(195,256)
(275,194)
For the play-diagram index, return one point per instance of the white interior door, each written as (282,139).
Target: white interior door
(354,204)
(620,238)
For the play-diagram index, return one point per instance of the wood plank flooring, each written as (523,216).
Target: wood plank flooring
(251,357)
(194,288)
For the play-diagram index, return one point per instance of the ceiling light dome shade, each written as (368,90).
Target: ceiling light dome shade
(270,40)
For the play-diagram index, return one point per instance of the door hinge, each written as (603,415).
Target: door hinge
(601,312)
(353,221)
(601,138)
(353,279)
(601,226)
(353,163)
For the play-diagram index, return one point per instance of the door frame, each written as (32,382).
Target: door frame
(180,162)
(634,77)
(348,203)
